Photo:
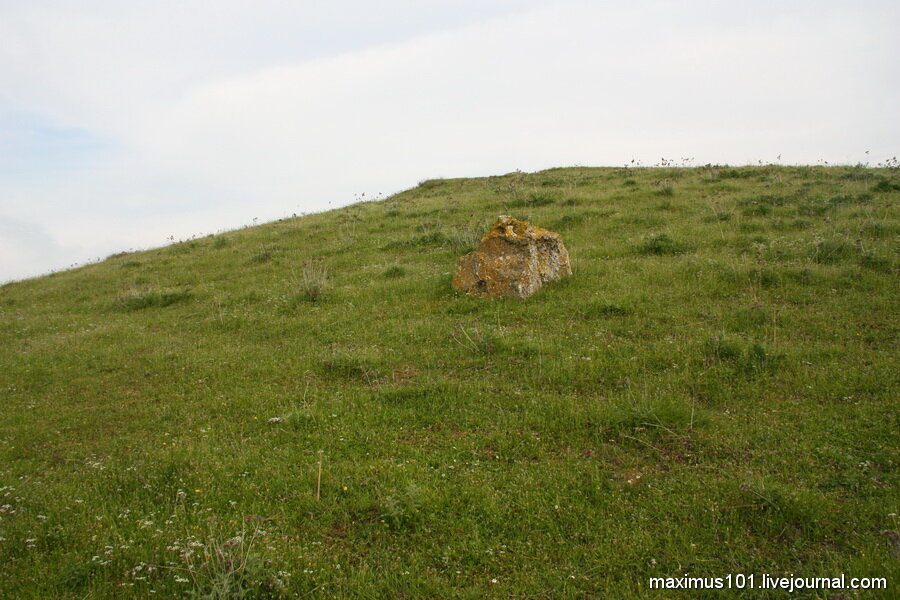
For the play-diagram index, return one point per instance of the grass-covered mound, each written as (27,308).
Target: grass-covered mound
(306,408)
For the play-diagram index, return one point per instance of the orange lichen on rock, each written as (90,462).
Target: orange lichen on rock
(514,259)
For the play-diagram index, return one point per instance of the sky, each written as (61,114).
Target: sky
(124,125)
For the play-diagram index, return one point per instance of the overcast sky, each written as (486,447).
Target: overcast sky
(125,123)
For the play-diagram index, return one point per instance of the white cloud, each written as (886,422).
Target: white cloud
(26,249)
(564,84)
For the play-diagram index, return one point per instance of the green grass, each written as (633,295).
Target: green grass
(306,408)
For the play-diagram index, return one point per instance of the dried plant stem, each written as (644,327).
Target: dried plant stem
(319,480)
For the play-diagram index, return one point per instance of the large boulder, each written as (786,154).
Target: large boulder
(515,258)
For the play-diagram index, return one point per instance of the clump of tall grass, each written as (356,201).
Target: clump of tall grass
(746,359)
(661,244)
(666,187)
(138,297)
(832,250)
(230,569)
(265,254)
(428,234)
(393,272)
(313,281)
(464,238)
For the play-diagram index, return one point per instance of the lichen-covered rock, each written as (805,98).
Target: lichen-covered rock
(515,258)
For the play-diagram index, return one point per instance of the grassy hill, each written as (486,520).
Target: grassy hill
(307,409)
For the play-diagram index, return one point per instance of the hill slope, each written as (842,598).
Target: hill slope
(306,407)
